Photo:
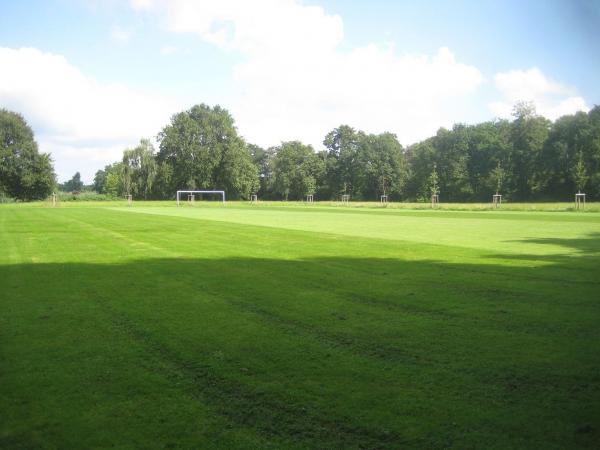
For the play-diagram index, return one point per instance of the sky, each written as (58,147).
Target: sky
(93,77)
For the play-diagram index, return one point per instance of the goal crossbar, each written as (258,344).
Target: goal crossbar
(222,193)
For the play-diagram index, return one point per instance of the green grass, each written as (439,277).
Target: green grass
(295,326)
(95,200)
(506,206)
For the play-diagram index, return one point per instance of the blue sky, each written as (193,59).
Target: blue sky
(100,75)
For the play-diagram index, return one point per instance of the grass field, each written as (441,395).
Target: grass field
(281,326)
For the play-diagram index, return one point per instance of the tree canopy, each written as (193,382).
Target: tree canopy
(203,151)
(25,173)
(296,170)
(73,185)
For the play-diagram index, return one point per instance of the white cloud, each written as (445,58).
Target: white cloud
(552,99)
(120,35)
(294,81)
(142,4)
(83,123)
(168,50)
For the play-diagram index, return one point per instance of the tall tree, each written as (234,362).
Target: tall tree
(204,151)
(384,168)
(139,169)
(25,173)
(568,137)
(161,188)
(343,164)
(579,173)
(434,186)
(420,157)
(109,181)
(498,177)
(296,169)
(73,185)
(592,152)
(114,186)
(237,173)
(99,181)
(489,154)
(452,158)
(529,132)
(262,161)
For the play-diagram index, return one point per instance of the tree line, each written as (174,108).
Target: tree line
(525,159)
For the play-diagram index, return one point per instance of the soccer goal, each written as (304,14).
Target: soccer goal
(192,193)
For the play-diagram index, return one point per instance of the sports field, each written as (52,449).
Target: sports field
(264,326)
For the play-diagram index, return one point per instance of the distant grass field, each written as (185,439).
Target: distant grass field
(294,326)
(91,201)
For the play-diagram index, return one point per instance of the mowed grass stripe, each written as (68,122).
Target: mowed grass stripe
(587,217)
(466,229)
(270,312)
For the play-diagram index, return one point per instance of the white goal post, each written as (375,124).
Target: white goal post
(200,192)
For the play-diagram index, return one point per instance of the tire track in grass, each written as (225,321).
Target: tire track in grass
(351,344)
(360,345)
(273,417)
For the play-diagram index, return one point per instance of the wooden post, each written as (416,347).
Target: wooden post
(580,201)
(497,200)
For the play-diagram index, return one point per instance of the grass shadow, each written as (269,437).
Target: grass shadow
(317,353)
(588,245)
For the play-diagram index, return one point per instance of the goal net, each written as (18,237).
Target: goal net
(191,195)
